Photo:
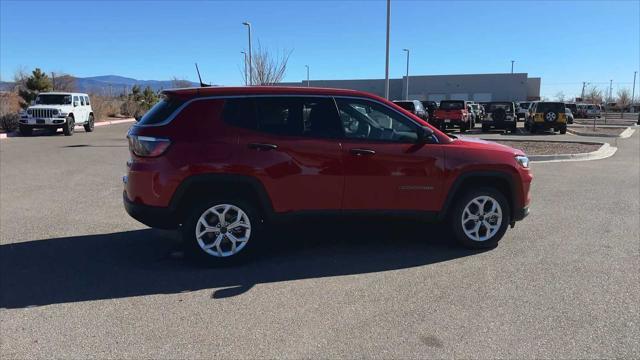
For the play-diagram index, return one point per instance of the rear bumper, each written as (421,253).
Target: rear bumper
(152,216)
(547,125)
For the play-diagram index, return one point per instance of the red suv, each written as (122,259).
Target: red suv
(219,163)
(453,113)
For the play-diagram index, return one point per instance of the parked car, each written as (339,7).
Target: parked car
(54,110)
(478,113)
(500,115)
(453,113)
(431,107)
(413,106)
(522,110)
(569,115)
(593,111)
(545,115)
(272,154)
(573,107)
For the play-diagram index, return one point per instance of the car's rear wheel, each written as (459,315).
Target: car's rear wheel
(485,128)
(480,218)
(221,232)
(563,130)
(69,126)
(25,130)
(88,127)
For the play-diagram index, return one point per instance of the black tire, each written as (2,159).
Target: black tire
(533,128)
(563,130)
(196,253)
(25,130)
(463,127)
(514,128)
(89,126)
(69,126)
(485,128)
(455,218)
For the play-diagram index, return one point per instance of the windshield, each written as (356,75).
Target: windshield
(524,106)
(452,105)
(550,106)
(53,99)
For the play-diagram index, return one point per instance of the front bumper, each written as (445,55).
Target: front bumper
(520,214)
(152,216)
(35,122)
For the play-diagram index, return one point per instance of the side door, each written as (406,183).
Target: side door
(384,166)
(77,110)
(87,107)
(292,145)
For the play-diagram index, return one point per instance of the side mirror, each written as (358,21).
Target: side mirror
(424,134)
(75,103)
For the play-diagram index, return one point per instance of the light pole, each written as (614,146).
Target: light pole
(386,67)
(406,94)
(512,61)
(248,25)
(245,67)
(633,90)
(307,66)
(610,90)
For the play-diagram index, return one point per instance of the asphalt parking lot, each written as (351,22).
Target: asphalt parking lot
(81,279)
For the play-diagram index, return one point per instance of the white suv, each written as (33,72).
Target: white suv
(54,110)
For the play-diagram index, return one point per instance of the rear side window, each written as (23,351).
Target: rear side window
(86,100)
(292,116)
(161,111)
(82,100)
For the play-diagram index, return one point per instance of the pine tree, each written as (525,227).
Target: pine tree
(33,85)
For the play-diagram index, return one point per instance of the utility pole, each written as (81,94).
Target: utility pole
(512,61)
(406,96)
(610,90)
(248,25)
(245,67)
(386,68)
(307,75)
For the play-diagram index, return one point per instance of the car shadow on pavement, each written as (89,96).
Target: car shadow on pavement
(137,263)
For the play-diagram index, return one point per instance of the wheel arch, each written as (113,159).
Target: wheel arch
(502,181)
(196,187)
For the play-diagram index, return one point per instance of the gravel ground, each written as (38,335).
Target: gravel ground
(549,147)
(598,130)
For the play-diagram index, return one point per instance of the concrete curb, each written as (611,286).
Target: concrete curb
(603,152)
(623,135)
(101,123)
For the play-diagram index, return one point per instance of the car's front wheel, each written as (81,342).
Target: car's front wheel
(221,232)
(69,126)
(480,218)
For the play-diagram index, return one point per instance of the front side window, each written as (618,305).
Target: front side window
(363,119)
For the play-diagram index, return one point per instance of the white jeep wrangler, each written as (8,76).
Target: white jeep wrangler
(54,110)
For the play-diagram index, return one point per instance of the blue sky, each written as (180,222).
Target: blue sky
(564,42)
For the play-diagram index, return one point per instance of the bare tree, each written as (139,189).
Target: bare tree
(624,99)
(267,69)
(63,82)
(560,96)
(593,95)
(180,83)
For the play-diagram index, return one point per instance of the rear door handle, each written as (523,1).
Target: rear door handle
(362,152)
(262,147)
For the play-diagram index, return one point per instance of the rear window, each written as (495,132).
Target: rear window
(161,111)
(452,105)
(491,107)
(550,106)
(407,105)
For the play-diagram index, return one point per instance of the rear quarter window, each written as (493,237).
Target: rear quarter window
(161,111)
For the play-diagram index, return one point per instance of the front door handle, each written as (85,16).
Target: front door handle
(362,152)
(262,147)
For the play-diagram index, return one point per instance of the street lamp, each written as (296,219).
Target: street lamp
(512,61)
(406,96)
(248,25)
(386,67)
(307,66)
(245,67)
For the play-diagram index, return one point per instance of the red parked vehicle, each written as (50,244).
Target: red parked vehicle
(453,113)
(219,163)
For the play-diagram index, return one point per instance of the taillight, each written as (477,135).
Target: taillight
(148,146)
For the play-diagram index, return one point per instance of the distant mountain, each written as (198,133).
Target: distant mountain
(109,84)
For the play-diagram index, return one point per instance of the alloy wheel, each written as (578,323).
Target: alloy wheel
(223,230)
(481,218)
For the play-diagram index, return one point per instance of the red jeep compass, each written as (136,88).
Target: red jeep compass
(218,163)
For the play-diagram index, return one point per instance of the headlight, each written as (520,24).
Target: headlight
(523,161)
(29,111)
(55,112)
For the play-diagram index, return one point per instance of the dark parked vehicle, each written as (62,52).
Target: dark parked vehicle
(220,164)
(545,115)
(500,115)
(431,107)
(413,106)
(574,110)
